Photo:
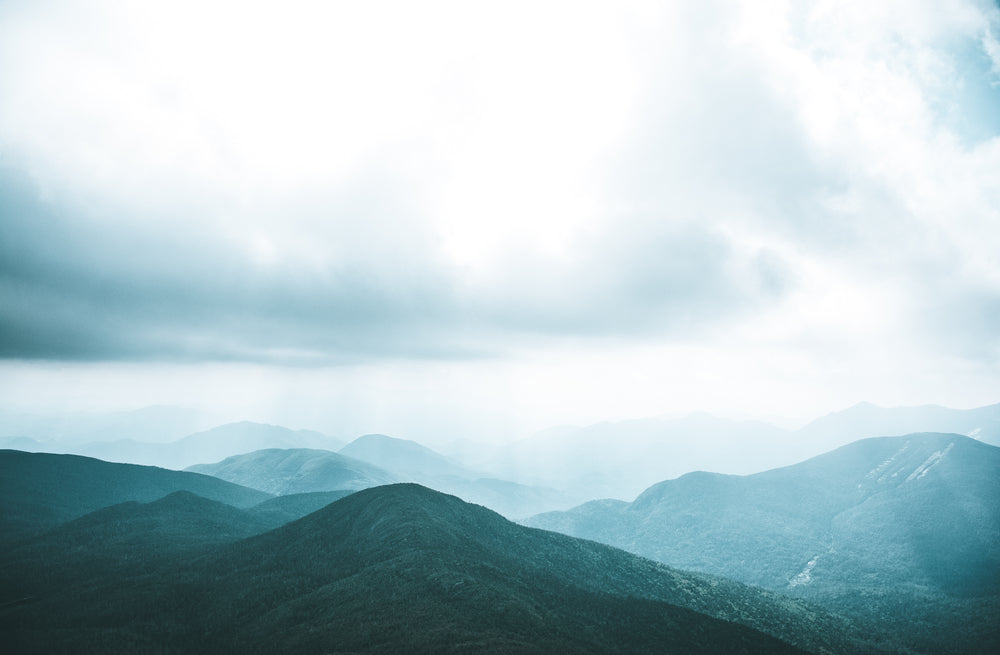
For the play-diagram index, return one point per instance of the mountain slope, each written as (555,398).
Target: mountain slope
(280,510)
(405,569)
(128,538)
(38,491)
(404,457)
(297,470)
(883,516)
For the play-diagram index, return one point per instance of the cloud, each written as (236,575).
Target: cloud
(77,286)
(330,186)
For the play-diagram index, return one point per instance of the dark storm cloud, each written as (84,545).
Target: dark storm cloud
(91,288)
(78,284)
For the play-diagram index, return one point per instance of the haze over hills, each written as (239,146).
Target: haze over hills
(619,460)
(416,463)
(157,423)
(300,470)
(616,460)
(297,470)
(211,445)
(868,420)
(392,569)
(900,526)
(405,457)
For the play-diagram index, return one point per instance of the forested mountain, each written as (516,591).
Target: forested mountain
(39,491)
(397,568)
(872,528)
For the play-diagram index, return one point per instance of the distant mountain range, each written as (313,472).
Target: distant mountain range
(297,470)
(396,568)
(894,525)
(197,448)
(619,460)
(562,466)
(899,534)
(211,445)
(156,424)
(359,465)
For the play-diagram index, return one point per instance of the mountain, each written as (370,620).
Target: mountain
(280,510)
(129,537)
(620,459)
(894,525)
(210,445)
(868,420)
(39,491)
(413,462)
(404,457)
(401,568)
(297,470)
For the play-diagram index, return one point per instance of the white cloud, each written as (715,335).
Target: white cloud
(685,186)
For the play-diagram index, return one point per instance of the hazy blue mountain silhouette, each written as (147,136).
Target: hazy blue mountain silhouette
(867,420)
(621,459)
(297,470)
(210,445)
(404,457)
(413,462)
(157,423)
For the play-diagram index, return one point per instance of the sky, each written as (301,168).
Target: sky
(481,219)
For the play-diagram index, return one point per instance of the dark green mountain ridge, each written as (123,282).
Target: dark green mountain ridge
(402,568)
(39,491)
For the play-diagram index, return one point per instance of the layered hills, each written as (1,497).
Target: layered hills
(39,490)
(397,568)
(297,470)
(621,459)
(209,445)
(374,460)
(875,527)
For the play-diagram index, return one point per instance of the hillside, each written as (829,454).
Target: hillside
(129,538)
(403,568)
(39,491)
(404,457)
(297,470)
(906,520)
(280,510)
